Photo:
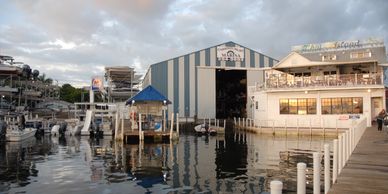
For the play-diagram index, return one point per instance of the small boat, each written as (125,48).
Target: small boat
(55,130)
(15,133)
(74,126)
(204,129)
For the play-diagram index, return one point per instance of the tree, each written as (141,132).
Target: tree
(70,94)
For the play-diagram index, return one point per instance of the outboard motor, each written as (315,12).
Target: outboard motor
(3,130)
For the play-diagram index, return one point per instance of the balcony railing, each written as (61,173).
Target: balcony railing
(286,81)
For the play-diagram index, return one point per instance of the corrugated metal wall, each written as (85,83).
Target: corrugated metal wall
(188,81)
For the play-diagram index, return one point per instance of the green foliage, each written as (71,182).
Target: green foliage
(71,94)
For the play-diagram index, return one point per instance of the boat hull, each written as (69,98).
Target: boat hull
(20,135)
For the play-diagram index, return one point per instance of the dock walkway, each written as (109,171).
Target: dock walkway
(367,168)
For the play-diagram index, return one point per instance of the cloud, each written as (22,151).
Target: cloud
(72,40)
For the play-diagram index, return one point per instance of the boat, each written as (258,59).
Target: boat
(15,132)
(74,126)
(204,129)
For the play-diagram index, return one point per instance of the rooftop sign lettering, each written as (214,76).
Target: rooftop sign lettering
(338,45)
(229,53)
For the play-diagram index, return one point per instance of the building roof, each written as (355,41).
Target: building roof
(149,94)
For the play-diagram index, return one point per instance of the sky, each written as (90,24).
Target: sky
(73,40)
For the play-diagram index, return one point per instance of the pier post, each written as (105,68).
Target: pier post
(311,129)
(117,125)
(273,127)
(276,187)
(235,122)
(349,145)
(243,122)
(172,123)
(301,176)
(210,122)
(177,124)
(327,167)
(335,160)
(239,122)
(323,126)
(317,173)
(140,129)
(343,150)
(224,124)
(340,154)
(122,127)
(297,126)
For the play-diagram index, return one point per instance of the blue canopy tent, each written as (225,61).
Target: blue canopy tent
(149,94)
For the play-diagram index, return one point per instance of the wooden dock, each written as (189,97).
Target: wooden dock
(367,168)
(150,136)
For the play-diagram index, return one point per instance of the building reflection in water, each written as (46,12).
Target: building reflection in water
(236,162)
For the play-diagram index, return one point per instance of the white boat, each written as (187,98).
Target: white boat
(55,130)
(205,129)
(14,133)
(74,126)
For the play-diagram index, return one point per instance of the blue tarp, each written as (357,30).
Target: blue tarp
(148,94)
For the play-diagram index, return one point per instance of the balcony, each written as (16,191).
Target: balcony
(287,81)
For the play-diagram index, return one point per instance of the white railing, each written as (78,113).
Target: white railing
(286,81)
(343,147)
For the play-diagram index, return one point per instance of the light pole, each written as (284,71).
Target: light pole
(2,96)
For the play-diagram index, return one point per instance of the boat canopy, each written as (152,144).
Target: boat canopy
(149,94)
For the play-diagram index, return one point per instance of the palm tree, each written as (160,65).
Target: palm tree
(45,80)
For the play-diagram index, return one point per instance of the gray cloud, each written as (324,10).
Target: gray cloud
(72,40)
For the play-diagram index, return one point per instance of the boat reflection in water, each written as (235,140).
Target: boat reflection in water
(232,163)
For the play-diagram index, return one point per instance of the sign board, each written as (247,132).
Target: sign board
(339,45)
(354,117)
(97,83)
(343,117)
(230,53)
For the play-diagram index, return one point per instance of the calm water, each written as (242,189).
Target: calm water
(233,163)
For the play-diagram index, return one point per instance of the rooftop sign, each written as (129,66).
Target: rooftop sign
(229,53)
(339,45)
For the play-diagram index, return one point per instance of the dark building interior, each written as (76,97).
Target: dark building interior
(231,93)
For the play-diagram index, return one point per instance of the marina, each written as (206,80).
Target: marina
(236,162)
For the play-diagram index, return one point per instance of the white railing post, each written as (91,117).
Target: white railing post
(335,160)
(140,128)
(276,187)
(327,167)
(239,122)
(301,177)
(317,173)
(343,150)
(340,154)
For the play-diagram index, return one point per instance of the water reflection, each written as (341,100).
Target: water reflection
(237,162)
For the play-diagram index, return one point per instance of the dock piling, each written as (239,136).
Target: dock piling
(317,173)
(276,187)
(335,160)
(327,167)
(301,176)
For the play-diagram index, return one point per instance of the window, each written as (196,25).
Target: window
(311,106)
(341,105)
(329,57)
(326,106)
(293,106)
(300,106)
(359,55)
(284,106)
(336,106)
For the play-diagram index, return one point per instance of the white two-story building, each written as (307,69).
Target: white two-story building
(323,83)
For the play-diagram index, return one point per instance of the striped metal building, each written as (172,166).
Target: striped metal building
(189,81)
